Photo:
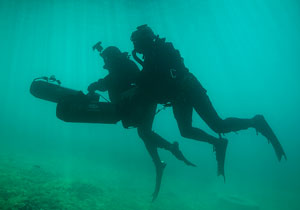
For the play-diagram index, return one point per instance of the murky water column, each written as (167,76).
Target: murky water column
(245,53)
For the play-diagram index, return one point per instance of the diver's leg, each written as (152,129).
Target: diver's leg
(159,165)
(153,139)
(203,106)
(145,128)
(183,113)
(205,109)
(145,133)
(207,112)
(196,95)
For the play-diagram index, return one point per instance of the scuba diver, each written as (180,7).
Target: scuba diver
(165,79)
(122,73)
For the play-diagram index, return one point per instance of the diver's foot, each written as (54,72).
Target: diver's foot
(261,126)
(220,148)
(178,154)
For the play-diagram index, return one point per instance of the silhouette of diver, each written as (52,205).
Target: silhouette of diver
(122,73)
(164,78)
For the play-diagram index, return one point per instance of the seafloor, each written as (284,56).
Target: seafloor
(26,185)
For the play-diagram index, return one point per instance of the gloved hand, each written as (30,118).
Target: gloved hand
(93,87)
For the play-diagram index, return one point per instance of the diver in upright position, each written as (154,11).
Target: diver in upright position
(122,73)
(165,78)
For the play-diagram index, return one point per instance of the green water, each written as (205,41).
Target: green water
(245,53)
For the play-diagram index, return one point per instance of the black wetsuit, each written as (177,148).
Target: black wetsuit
(166,79)
(139,113)
(119,79)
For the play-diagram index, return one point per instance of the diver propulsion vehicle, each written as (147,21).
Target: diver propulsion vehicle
(73,105)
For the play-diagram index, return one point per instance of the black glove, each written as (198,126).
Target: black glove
(93,87)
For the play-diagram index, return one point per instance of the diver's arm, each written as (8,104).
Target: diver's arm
(175,60)
(92,87)
(100,85)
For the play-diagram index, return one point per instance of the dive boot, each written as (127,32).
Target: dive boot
(178,154)
(261,126)
(220,149)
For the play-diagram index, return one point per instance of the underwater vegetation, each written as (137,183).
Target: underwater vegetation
(31,187)
(28,186)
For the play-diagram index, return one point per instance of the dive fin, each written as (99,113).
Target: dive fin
(178,154)
(220,156)
(159,173)
(264,128)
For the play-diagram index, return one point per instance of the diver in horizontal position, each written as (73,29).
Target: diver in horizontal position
(165,78)
(122,73)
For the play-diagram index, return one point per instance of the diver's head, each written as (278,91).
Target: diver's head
(142,38)
(111,56)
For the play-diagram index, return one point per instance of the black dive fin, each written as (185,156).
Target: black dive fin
(276,145)
(189,163)
(221,171)
(178,154)
(159,173)
(267,132)
(221,154)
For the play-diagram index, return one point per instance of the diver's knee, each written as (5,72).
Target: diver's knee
(218,126)
(185,132)
(143,133)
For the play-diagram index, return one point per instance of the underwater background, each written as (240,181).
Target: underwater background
(245,53)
